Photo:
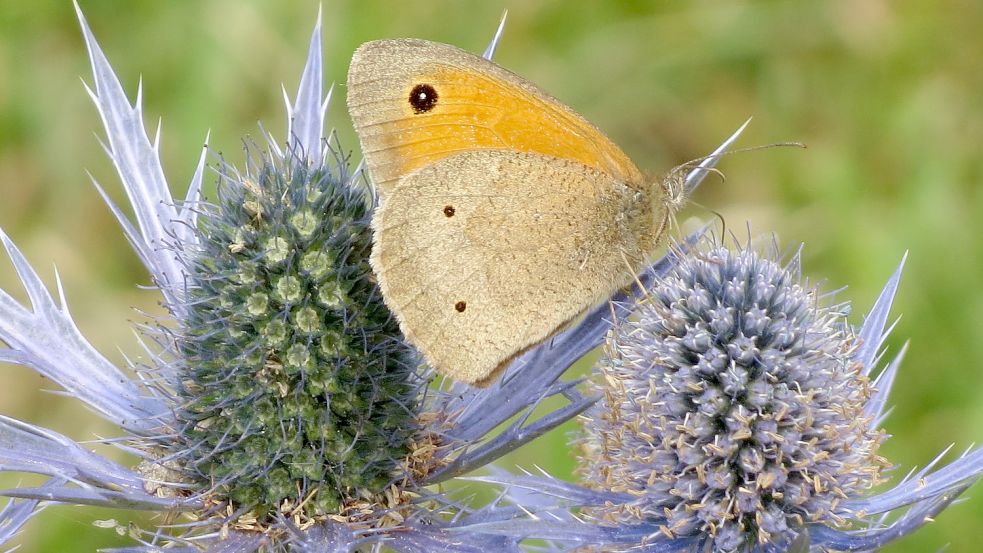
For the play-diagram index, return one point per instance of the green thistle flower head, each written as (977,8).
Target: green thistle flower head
(285,313)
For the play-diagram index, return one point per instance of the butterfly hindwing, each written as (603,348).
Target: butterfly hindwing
(486,253)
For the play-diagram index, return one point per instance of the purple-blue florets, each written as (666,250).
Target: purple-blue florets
(732,406)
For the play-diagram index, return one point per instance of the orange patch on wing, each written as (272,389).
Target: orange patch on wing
(477,112)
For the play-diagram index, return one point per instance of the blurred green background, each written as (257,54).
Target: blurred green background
(888,95)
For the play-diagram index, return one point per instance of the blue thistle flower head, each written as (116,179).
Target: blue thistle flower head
(733,406)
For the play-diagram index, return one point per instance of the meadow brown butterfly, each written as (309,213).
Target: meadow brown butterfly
(503,214)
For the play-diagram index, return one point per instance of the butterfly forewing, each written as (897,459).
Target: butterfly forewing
(470,104)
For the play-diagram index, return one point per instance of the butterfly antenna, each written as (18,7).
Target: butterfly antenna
(679,187)
(706,163)
(493,45)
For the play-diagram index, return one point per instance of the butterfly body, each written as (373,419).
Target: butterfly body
(503,215)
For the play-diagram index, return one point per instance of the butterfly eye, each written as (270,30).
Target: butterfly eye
(460,306)
(423,98)
(449,210)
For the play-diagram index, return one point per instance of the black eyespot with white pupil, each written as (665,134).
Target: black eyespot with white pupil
(449,210)
(460,306)
(423,98)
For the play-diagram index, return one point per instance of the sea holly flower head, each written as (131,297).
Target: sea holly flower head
(733,405)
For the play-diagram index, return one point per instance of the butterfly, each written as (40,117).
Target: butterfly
(503,214)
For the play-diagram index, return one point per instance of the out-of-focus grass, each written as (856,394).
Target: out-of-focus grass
(887,95)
